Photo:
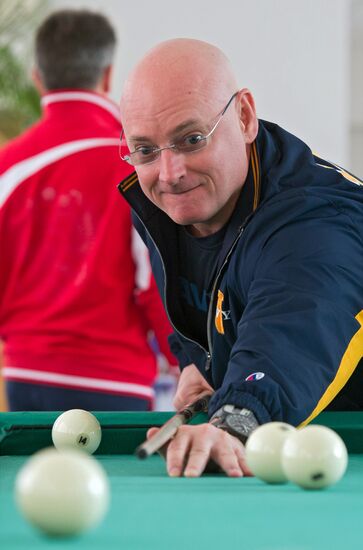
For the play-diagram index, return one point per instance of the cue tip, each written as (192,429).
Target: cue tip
(141,452)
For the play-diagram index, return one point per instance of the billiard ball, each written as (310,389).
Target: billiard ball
(77,429)
(263,451)
(314,457)
(62,493)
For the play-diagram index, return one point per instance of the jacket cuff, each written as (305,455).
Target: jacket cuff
(242,400)
(178,350)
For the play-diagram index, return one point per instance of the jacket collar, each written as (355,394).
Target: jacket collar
(63,96)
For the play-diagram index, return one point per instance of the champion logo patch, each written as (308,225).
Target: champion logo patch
(255,376)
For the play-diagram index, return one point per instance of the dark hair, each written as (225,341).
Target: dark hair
(72,49)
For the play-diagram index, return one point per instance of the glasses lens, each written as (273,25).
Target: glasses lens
(192,143)
(144,156)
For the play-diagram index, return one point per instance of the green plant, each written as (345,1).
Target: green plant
(19,100)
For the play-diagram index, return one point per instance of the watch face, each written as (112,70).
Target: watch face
(238,423)
(241,421)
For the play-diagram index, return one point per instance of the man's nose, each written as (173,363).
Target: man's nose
(172,166)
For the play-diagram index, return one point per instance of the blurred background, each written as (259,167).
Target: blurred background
(302,59)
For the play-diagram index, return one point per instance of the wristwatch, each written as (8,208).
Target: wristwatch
(235,421)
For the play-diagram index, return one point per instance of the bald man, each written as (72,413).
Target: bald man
(257,247)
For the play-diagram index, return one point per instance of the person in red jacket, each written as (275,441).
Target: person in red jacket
(77,297)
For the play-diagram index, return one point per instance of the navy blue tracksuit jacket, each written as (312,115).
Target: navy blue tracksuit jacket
(285,330)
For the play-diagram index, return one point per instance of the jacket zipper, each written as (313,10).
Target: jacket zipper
(209,317)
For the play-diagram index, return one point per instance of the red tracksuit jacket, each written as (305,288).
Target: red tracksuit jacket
(77,297)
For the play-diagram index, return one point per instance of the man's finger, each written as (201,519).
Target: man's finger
(182,401)
(177,453)
(191,386)
(241,457)
(151,432)
(227,458)
(163,449)
(197,462)
(199,455)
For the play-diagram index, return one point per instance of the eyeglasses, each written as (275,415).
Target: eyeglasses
(191,143)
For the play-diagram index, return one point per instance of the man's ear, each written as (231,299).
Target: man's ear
(105,82)
(37,80)
(247,115)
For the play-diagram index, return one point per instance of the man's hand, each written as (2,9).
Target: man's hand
(189,452)
(191,386)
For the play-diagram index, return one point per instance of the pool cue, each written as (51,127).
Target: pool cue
(169,429)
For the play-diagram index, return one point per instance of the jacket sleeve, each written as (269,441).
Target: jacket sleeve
(187,352)
(299,336)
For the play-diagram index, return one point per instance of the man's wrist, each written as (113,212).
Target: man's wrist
(238,422)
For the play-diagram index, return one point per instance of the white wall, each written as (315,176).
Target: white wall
(294,55)
(356,113)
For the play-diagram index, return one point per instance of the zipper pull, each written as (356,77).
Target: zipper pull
(208,362)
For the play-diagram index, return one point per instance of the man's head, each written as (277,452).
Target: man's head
(74,49)
(176,94)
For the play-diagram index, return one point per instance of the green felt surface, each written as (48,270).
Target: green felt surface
(149,510)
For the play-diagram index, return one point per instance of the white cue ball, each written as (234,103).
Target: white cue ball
(263,451)
(77,429)
(62,493)
(314,457)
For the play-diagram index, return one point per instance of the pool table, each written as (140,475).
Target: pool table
(151,511)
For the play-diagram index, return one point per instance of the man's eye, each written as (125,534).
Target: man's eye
(144,150)
(193,139)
